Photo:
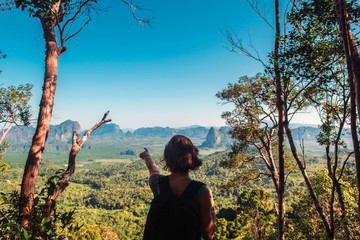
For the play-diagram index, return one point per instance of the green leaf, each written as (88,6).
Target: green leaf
(26,234)
(43,221)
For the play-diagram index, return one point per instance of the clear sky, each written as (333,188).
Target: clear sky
(163,75)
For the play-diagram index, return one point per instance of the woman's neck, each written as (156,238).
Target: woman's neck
(181,174)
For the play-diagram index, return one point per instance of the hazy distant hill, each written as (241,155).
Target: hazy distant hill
(155,132)
(199,132)
(110,129)
(20,134)
(60,135)
(306,133)
(64,131)
(191,132)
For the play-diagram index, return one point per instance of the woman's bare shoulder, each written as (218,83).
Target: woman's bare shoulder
(152,178)
(206,195)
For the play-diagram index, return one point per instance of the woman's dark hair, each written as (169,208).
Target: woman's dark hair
(180,155)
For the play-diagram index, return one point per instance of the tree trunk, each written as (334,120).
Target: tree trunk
(353,62)
(7,130)
(343,211)
(311,190)
(42,129)
(280,108)
(354,133)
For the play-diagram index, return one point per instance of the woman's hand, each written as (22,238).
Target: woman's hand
(153,169)
(145,154)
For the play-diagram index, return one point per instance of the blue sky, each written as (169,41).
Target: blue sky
(163,75)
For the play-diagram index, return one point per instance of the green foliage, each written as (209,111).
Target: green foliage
(254,130)
(1,54)
(41,9)
(3,165)
(312,59)
(49,13)
(14,108)
(56,228)
(254,101)
(255,218)
(14,104)
(118,196)
(313,73)
(94,233)
(306,222)
(249,95)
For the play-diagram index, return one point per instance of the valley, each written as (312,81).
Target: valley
(109,191)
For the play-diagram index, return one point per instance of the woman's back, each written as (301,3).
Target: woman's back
(178,183)
(180,156)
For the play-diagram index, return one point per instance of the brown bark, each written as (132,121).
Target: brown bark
(343,211)
(64,181)
(353,63)
(336,184)
(7,130)
(311,190)
(280,108)
(354,134)
(43,124)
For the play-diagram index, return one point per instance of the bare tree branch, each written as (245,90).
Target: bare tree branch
(254,5)
(133,8)
(343,166)
(235,45)
(64,181)
(73,35)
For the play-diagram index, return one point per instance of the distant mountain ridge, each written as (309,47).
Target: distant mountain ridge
(61,135)
(62,132)
(110,129)
(198,132)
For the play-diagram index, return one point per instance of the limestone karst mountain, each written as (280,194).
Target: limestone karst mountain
(60,136)
(167,132)
(217,138)
(109,129)
(64,131)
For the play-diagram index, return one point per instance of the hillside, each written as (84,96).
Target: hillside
(118,196)
(60,135)
(205,138)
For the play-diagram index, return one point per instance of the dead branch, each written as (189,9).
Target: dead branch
(235,45)
(78,13)
(64,181)
(133,8)
(343,167)
(254,5)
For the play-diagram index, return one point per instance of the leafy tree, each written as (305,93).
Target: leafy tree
(254,218)
(303,215)
(14,109)
(305,62)
(280,86)
(57,19)
(254,129)
(41,228)
(95,233)
(352,61)
(313,55)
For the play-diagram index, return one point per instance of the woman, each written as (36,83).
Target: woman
(180,156)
